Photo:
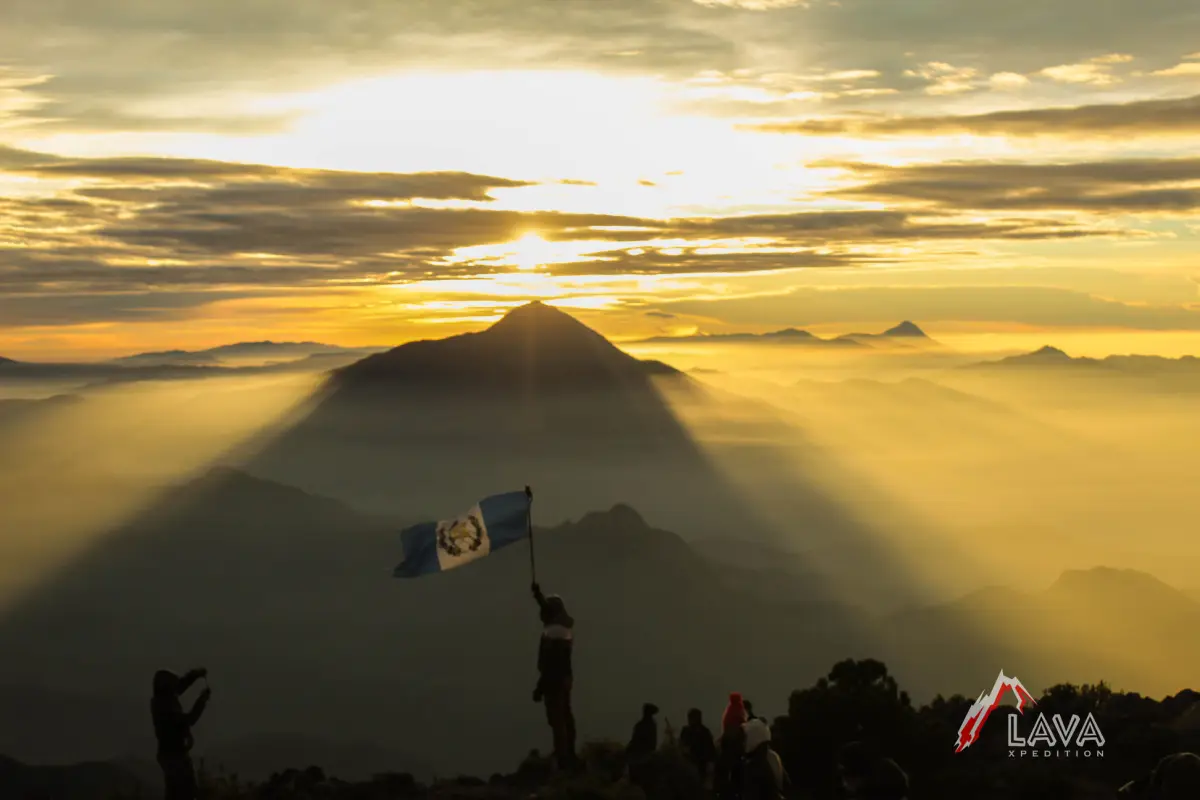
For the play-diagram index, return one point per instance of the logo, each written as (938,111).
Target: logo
(462,535)
(968,732)
(1050,737)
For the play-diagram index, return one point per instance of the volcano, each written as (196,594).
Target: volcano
(534,348)
(537,398)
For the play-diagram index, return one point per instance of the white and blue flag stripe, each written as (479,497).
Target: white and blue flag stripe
(493,523)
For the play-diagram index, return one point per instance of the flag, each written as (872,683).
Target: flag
(494,522)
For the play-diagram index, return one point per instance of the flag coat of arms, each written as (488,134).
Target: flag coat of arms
(493,523)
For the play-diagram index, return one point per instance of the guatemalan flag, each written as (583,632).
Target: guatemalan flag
(494,522)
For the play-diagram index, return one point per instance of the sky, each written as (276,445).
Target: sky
(366,172)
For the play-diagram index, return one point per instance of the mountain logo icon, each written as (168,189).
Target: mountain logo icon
(977,715)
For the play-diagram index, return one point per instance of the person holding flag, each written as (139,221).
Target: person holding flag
(493,523)
(555,674)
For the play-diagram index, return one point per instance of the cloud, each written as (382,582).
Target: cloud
(1095,71)
(1139,118)
(1186,69)
(1008,80)
(755,5)
(111,65)
(1119,186)
(134,227)
(1113,58)
(945,78)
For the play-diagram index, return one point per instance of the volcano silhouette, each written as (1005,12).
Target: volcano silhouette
(534,348)
(536,399)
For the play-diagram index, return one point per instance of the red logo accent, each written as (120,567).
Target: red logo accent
(968,732)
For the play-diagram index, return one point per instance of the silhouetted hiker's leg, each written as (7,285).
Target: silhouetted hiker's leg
(562,723)
(569,725)
(179,778)
(552,699)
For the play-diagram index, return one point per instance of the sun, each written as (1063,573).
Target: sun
(530,252)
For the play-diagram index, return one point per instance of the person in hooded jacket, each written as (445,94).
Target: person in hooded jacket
(727,780)
(763,776)
(696,741)
(642,746)
(555,674)
(644,741)
(173,729)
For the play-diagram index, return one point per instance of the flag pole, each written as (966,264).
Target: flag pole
(529,524)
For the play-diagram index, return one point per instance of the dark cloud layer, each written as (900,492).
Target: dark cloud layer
(1131,185)
(136,229)
(1146,117)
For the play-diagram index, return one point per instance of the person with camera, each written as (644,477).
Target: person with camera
(173,729)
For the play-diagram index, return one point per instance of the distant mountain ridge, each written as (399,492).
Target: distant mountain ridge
(243,350)
(1088,621)
(88,781)
(184,364)
(799,337)
(1052,357)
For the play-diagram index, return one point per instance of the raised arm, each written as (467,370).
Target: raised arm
(198,709)
(539,597)
(189,678)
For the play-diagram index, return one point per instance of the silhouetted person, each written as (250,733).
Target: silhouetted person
(173,729)
(727,781)
(642,746)
(555,674)
(867,775)
(763,775)
(697,743)
(750,715)
(645,734)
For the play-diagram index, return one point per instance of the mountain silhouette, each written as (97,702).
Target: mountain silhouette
(1098,622)
(178,365)
(1049,357)
(906,328)
(534,348)
(168,358)
(1046,356)
(288,599)
(87,781)
(905,331)
(40,723)
(1082,380)
(536,399)
(265,351)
